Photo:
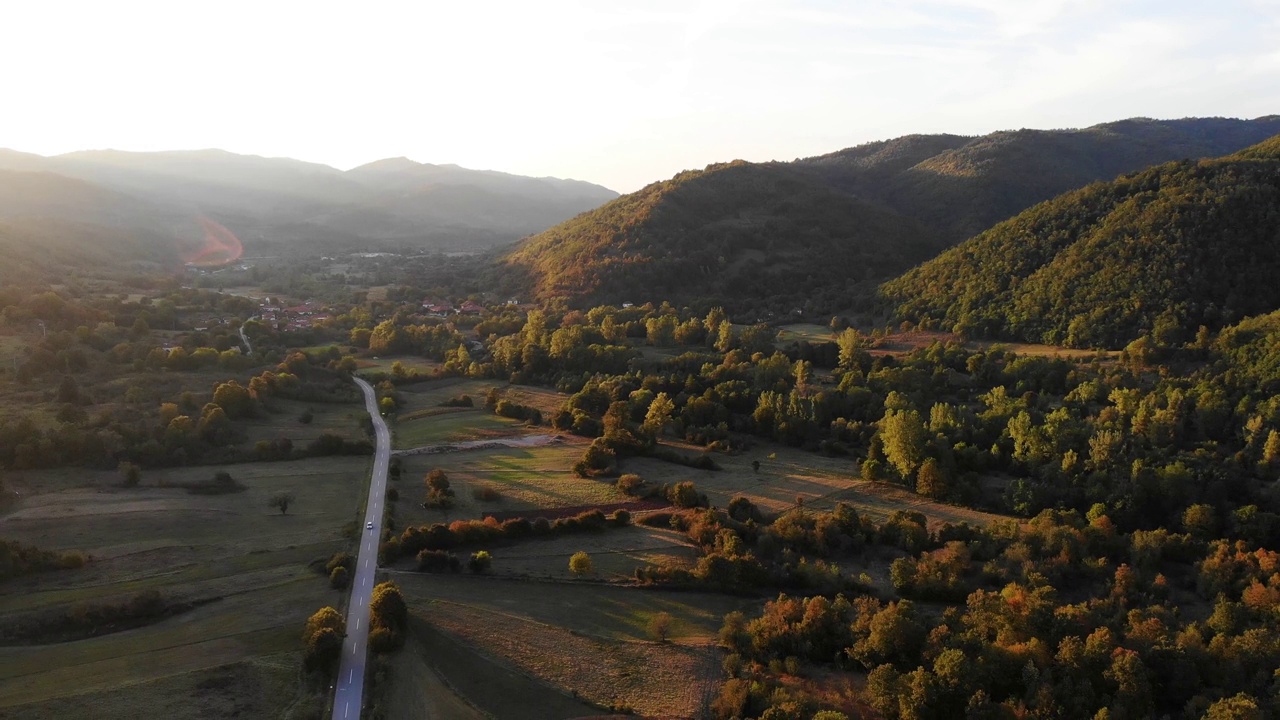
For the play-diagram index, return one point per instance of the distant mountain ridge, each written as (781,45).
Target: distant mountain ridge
(960,186)
(810,243)
(396,202)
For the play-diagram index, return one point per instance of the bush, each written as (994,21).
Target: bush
(339,578)
(630,484)
(340,560)
(436,561)
(580,564)
(480,561)
(621,517)
(459,401)
(516,411)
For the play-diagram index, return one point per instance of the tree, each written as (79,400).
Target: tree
(234,399)
(439,494)
(130,473)
(68,390)
(322,639)
(1240,707)
(281,502)
(931,480)
(660,626)
(580,564)
(480,561)
(904,438)
(726,339)
(849,342)
(387,606)
(437,482)
(716,318)
(1271,451)
(339,577)
(659,415)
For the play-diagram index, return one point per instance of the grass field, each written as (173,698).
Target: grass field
(232,550)
(583,638)
(525,478)
(820,482)
(383,363)
(615,554)
(811,332)
(283,422)
(421,420)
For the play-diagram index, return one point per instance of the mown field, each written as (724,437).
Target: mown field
(788,476)
(568,640)
(525,478)
(244,566)
(422,420)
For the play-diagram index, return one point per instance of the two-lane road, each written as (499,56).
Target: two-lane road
(350,688)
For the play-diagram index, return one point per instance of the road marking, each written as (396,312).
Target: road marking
(350,674)
(357,627)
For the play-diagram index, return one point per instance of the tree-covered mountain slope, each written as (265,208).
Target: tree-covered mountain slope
(960,186)
(749,235)
(1158,252)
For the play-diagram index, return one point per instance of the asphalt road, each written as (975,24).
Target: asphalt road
(248,348)
(350,686)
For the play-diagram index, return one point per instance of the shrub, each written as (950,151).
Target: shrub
(340,560)
(630,484)
(480,561)
(580,564)
(436,561)
(339,578)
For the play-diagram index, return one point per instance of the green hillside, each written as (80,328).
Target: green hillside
(753,236)
(1161,251)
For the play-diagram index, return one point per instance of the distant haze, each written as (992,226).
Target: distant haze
(616,94)
(209,201)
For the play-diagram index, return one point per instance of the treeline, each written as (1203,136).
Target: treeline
(185,428)
(17,560)
(86,620)
(439,537)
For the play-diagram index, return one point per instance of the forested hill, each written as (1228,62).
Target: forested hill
(959,186)
(751,236)
(1157,253)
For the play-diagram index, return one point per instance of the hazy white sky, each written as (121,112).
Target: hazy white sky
(616,93)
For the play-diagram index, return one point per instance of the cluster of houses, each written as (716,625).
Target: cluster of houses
(443,309)
(296,317)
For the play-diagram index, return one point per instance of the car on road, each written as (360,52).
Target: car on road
(368,525)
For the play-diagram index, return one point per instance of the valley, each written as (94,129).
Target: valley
(760,441)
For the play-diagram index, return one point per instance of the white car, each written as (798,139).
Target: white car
(368,525)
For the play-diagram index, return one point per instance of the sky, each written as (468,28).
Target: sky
(620,94)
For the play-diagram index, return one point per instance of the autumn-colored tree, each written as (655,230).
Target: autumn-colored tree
(580,564)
